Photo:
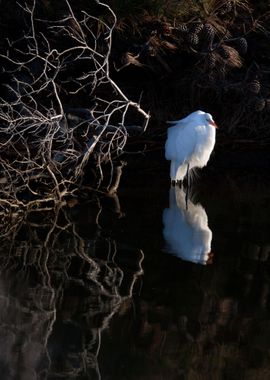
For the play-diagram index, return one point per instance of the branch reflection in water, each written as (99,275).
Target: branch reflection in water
(186,230)
(62,278)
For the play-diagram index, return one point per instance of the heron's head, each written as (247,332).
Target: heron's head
(209,120)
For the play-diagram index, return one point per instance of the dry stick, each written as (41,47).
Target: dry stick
(38,138)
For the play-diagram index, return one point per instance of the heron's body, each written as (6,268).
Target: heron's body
(190,143)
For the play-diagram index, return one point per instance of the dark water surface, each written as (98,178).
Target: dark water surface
(101,291)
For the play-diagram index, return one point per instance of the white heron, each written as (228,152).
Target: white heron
(186,230)
(189,144)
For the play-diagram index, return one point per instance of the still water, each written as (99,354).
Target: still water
(143,285)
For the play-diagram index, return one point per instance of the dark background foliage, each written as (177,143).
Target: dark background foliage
(177,56)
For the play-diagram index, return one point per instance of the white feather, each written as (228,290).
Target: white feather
(190,142)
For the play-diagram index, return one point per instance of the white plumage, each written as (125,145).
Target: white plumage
(190,142)
(186,230)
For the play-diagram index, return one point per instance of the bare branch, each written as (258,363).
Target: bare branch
(45,145)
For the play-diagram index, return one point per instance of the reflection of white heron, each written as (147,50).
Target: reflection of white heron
(189,144)
(186,229)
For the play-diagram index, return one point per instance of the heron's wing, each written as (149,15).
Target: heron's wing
(180,143)
(181,122)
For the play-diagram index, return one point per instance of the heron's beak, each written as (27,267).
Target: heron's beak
(213,123)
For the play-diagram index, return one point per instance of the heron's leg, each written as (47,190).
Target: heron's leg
(179,183)
(187,175)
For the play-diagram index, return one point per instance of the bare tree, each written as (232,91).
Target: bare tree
(46,140)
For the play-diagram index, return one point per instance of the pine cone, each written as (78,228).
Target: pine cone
(226,8)
(242,45)
(254,86)
(208,32)
(193,38)
(197,28)
(183,28)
